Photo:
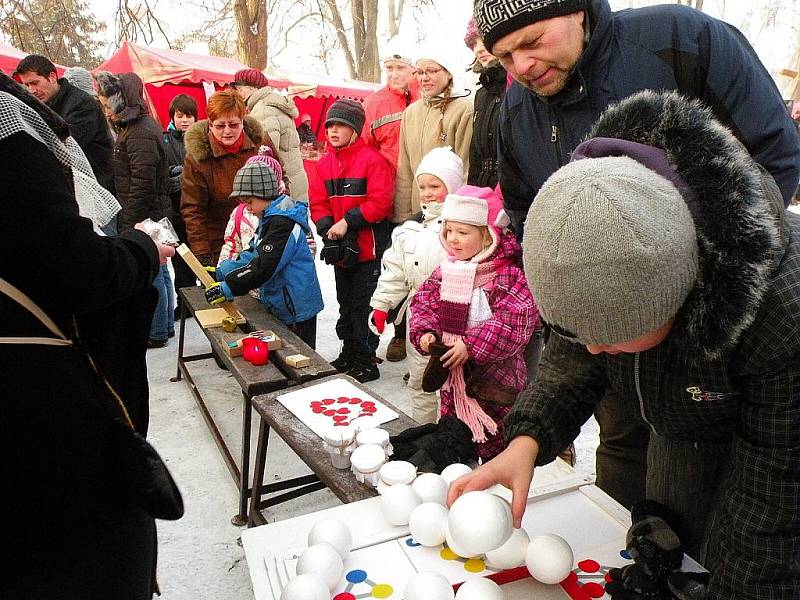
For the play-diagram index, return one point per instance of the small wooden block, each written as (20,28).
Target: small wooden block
(212,317)
(297,360)
(270,337)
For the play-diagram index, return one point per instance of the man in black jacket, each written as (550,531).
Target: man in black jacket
(570,60)
(81,111)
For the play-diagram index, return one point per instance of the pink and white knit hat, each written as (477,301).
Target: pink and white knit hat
(273,164)
(479,206)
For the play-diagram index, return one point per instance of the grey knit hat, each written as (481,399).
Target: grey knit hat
(347,111)
(498,18)
(256,179)
(610,250)
(81,79)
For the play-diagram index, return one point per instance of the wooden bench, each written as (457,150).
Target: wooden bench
(253,380)
(308,446)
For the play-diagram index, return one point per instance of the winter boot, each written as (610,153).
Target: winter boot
(344,362)
(364,368)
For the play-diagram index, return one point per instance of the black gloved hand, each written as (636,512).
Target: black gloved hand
(632,582)
(332,251)
(653,541)
(689,586)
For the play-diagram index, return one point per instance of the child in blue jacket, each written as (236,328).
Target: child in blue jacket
(278,261)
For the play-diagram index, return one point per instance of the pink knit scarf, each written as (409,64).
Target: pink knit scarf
(459,279)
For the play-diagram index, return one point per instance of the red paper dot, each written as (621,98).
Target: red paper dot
(329,413)
(355,400)
(367,403)
(328,401)
(345,398)
(343,411)
(369,409)
(316,403)
(317,409)
(339,418)
(589,566)
(595,590)
(344,596)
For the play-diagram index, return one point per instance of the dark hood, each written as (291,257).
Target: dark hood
(125,93)
(736,206)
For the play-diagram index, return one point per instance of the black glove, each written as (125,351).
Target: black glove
(653,541)
(689,586)
(332,251)
(350,248)
(632,583)
(433,446)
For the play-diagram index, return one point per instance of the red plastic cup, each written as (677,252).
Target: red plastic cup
(255,351)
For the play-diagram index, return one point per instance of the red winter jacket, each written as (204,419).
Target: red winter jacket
(384,109)
(356,184)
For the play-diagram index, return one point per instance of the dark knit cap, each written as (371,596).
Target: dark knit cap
(256,179)
(252,77)
(498,18)
(348,112)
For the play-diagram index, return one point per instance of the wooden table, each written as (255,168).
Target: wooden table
(308,446)
(253,379)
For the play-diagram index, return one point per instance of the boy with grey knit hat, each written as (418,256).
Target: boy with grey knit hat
(668,271)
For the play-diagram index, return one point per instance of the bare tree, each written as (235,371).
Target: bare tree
(251,32)
(63,30)
(361,54)
(135,21)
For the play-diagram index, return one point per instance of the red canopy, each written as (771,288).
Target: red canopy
(10,57)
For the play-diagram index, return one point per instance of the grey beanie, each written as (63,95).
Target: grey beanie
(348,112)
(256,179)
(81,79)
(498,18)
(610,250)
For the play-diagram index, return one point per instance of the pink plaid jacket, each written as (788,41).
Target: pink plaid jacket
(496,345)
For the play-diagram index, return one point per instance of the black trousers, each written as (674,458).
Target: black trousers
(306,331)
(354,288)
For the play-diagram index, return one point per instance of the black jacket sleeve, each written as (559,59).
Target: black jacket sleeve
(268,255)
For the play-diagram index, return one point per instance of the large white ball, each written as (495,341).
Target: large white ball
(480,589)
(323,560)
(512,553)
(549,558)
(308,586)
(452,472)
(453,545)
(428,523)
(333,532)
(398,502)
(431,488)
(480,522)
(428,585)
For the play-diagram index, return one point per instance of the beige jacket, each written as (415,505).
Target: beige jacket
(419,134)
(276,114)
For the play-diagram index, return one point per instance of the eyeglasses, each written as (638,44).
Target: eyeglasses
(427,72)
(222,126)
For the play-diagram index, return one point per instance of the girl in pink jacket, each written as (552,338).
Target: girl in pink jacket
(477,303)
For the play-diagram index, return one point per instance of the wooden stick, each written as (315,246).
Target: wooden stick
(205,278)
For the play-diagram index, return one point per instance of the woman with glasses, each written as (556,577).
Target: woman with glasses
(441,117)
(216,148)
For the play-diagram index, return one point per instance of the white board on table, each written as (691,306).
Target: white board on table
(337,398)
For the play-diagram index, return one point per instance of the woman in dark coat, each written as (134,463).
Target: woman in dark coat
(73,531)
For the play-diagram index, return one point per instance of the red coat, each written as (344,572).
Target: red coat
(384,109)
(354,183)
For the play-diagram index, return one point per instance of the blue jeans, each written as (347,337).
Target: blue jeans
(163,324)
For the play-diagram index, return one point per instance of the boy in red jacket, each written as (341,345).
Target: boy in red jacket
(351,201)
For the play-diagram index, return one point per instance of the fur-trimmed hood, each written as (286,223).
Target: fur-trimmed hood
(737,210)
(198,145)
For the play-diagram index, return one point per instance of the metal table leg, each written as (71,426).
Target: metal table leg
(244,475)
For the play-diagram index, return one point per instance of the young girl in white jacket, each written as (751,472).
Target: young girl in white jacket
(415,252)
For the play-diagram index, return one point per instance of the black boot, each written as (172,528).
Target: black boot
(344,362)
(364,368)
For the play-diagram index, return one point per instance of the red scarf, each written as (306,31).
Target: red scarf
(234,147)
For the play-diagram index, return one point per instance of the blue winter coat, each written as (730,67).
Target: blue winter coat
(666,47)
(279,263)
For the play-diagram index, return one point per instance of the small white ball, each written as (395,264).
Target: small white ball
(480,589)
(398,502)
(431,488)
(480,522)
(549,558)
(427,524)
(453,545)
(333,532)
(452,472)
(308,586)
(512,553)
(428,585)
(323,560)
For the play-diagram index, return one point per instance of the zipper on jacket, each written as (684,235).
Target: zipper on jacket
(639,391)
(554,134)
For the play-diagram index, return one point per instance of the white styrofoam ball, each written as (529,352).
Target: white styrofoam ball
(431,488)
(324,560)
(452,472)
(398,502)
(308,586)
(549,558)
(480,522)
(428,585)
(333,532)
(512,553)
(453,545)
(480,589)
(427,524)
